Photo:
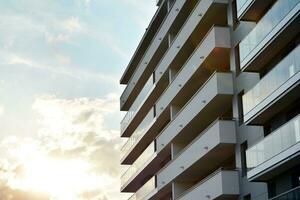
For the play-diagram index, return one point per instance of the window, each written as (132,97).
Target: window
(272,189)
(243,148)
(296,179)
(247,197)
(240,105)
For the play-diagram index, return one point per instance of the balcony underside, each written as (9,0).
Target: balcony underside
(272,45)
(198,68)
(206,14)
(215,187)
(254,9)
(144,43)
(145,107)
(278,164)
(204,166)
(146,172)
(206,153)
(212,160)
(143,142)
(190,35)
(213,99)
(212,111)
(275,103)
(215,108)
(162,194)
(153,54)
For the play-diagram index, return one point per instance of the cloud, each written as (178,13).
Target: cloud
(71,72)
(72,24)
(1,110)
(7,193)
(59,38)
(108,39)
(74,142)
(74,115)
(87,3)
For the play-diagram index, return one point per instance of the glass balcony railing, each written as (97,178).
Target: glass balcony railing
(138,164)
(283,138)
(293,194)
(137,103)
(138,133)
(267,23)
(281,73)
(145,190)
(240,4)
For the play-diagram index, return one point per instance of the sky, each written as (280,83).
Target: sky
(60,65)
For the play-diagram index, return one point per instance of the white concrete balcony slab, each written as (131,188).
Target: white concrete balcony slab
(204,15)
(205,153)
(215,187)
(207,104)
(201,20)
(148,36)
(147,190)
(210,55)
(147,165)
(137,135)
(131,113)
(137,80)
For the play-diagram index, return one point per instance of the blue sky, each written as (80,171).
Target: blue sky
(60,64)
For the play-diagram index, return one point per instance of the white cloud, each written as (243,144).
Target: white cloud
(60,38)
(75,115)
(72,24)
(63,59)
(1,110)
(87,3)
(72,132)
(71,72)
(55,31)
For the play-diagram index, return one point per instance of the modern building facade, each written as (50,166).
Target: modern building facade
(213,100)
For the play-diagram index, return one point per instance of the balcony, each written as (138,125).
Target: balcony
(215,186)
(275,153)
(139,132)
(148,99)
(145,166)
(158,2)
(293,194)
(152,55)
(251,10)
(281,84)
(138,102)
(212,100)
(205,153)
(206,14)
(136,168)
(197,69)
(275,30)
(203,17)
(148,36)
(146,190)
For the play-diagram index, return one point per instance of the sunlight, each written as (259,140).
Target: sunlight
(61,179)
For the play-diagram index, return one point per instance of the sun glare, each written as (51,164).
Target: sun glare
(60,179)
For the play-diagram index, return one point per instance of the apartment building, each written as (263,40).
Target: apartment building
(213,100)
